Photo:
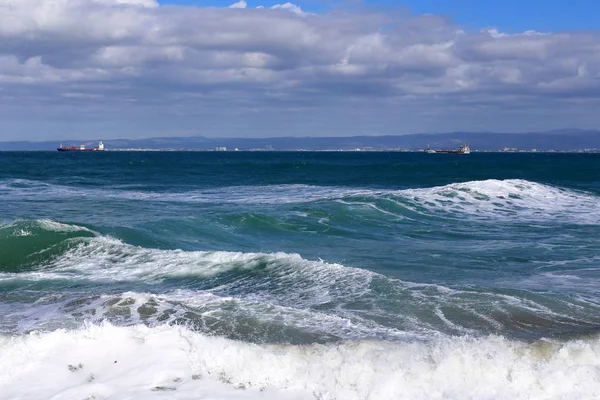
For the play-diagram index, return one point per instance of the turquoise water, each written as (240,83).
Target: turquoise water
(449,253)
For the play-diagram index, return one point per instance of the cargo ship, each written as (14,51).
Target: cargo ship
(464,149)
(100,147)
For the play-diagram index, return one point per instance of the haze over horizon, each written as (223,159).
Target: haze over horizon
(87,69)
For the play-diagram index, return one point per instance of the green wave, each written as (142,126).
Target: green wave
(28,245)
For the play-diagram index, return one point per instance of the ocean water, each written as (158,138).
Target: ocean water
(268,275)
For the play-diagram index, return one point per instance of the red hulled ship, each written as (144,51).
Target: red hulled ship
(100,147)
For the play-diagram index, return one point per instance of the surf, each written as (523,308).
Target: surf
(108,362)
(260,297)
(492,198)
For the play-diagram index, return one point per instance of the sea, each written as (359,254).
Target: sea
(299,275)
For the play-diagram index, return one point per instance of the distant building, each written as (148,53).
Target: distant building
(221,148)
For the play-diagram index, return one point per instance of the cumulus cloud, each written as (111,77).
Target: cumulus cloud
(415,72)
(289,6)
(239,4)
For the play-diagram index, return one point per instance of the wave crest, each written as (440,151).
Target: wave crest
(512,198)
(26,245)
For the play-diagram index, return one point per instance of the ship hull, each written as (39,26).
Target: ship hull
(464,149)
(75,150)
(451,152)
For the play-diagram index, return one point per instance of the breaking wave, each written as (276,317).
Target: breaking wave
(258,297)
(508,198)
(108,362)
(28,245)
(511,198)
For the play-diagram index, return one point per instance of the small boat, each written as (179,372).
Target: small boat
(464,149)
(100,147)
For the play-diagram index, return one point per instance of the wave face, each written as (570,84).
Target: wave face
(300,276)
(266,297)
(31,244)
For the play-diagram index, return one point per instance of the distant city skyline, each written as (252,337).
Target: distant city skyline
(104,69)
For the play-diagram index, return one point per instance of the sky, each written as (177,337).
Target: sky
(102,69)
(509,15)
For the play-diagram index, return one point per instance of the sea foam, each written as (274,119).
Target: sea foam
(492,198)
(511,198)
(109,362)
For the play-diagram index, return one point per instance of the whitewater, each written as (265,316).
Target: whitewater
(299,276)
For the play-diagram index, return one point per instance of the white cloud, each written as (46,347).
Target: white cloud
(239,4)
(289,6)
(99,50)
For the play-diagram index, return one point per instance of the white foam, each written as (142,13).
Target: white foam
(106,259)
(188,365)
(267,194)
(131,308)
(105,362)
(511,198)
(22,233)
(54,226)
(23,227)
(277,288)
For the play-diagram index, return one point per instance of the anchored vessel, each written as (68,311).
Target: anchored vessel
(100,147)
(464,149)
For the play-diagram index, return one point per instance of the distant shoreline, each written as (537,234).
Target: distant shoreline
(575,151)
(571,140)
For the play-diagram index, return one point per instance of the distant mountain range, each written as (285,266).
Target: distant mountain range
(568,139)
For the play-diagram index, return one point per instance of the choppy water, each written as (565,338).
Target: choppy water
(299,275)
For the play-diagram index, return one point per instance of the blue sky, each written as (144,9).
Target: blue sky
(507,15)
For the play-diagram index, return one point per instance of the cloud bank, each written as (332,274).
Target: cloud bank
(137,68)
